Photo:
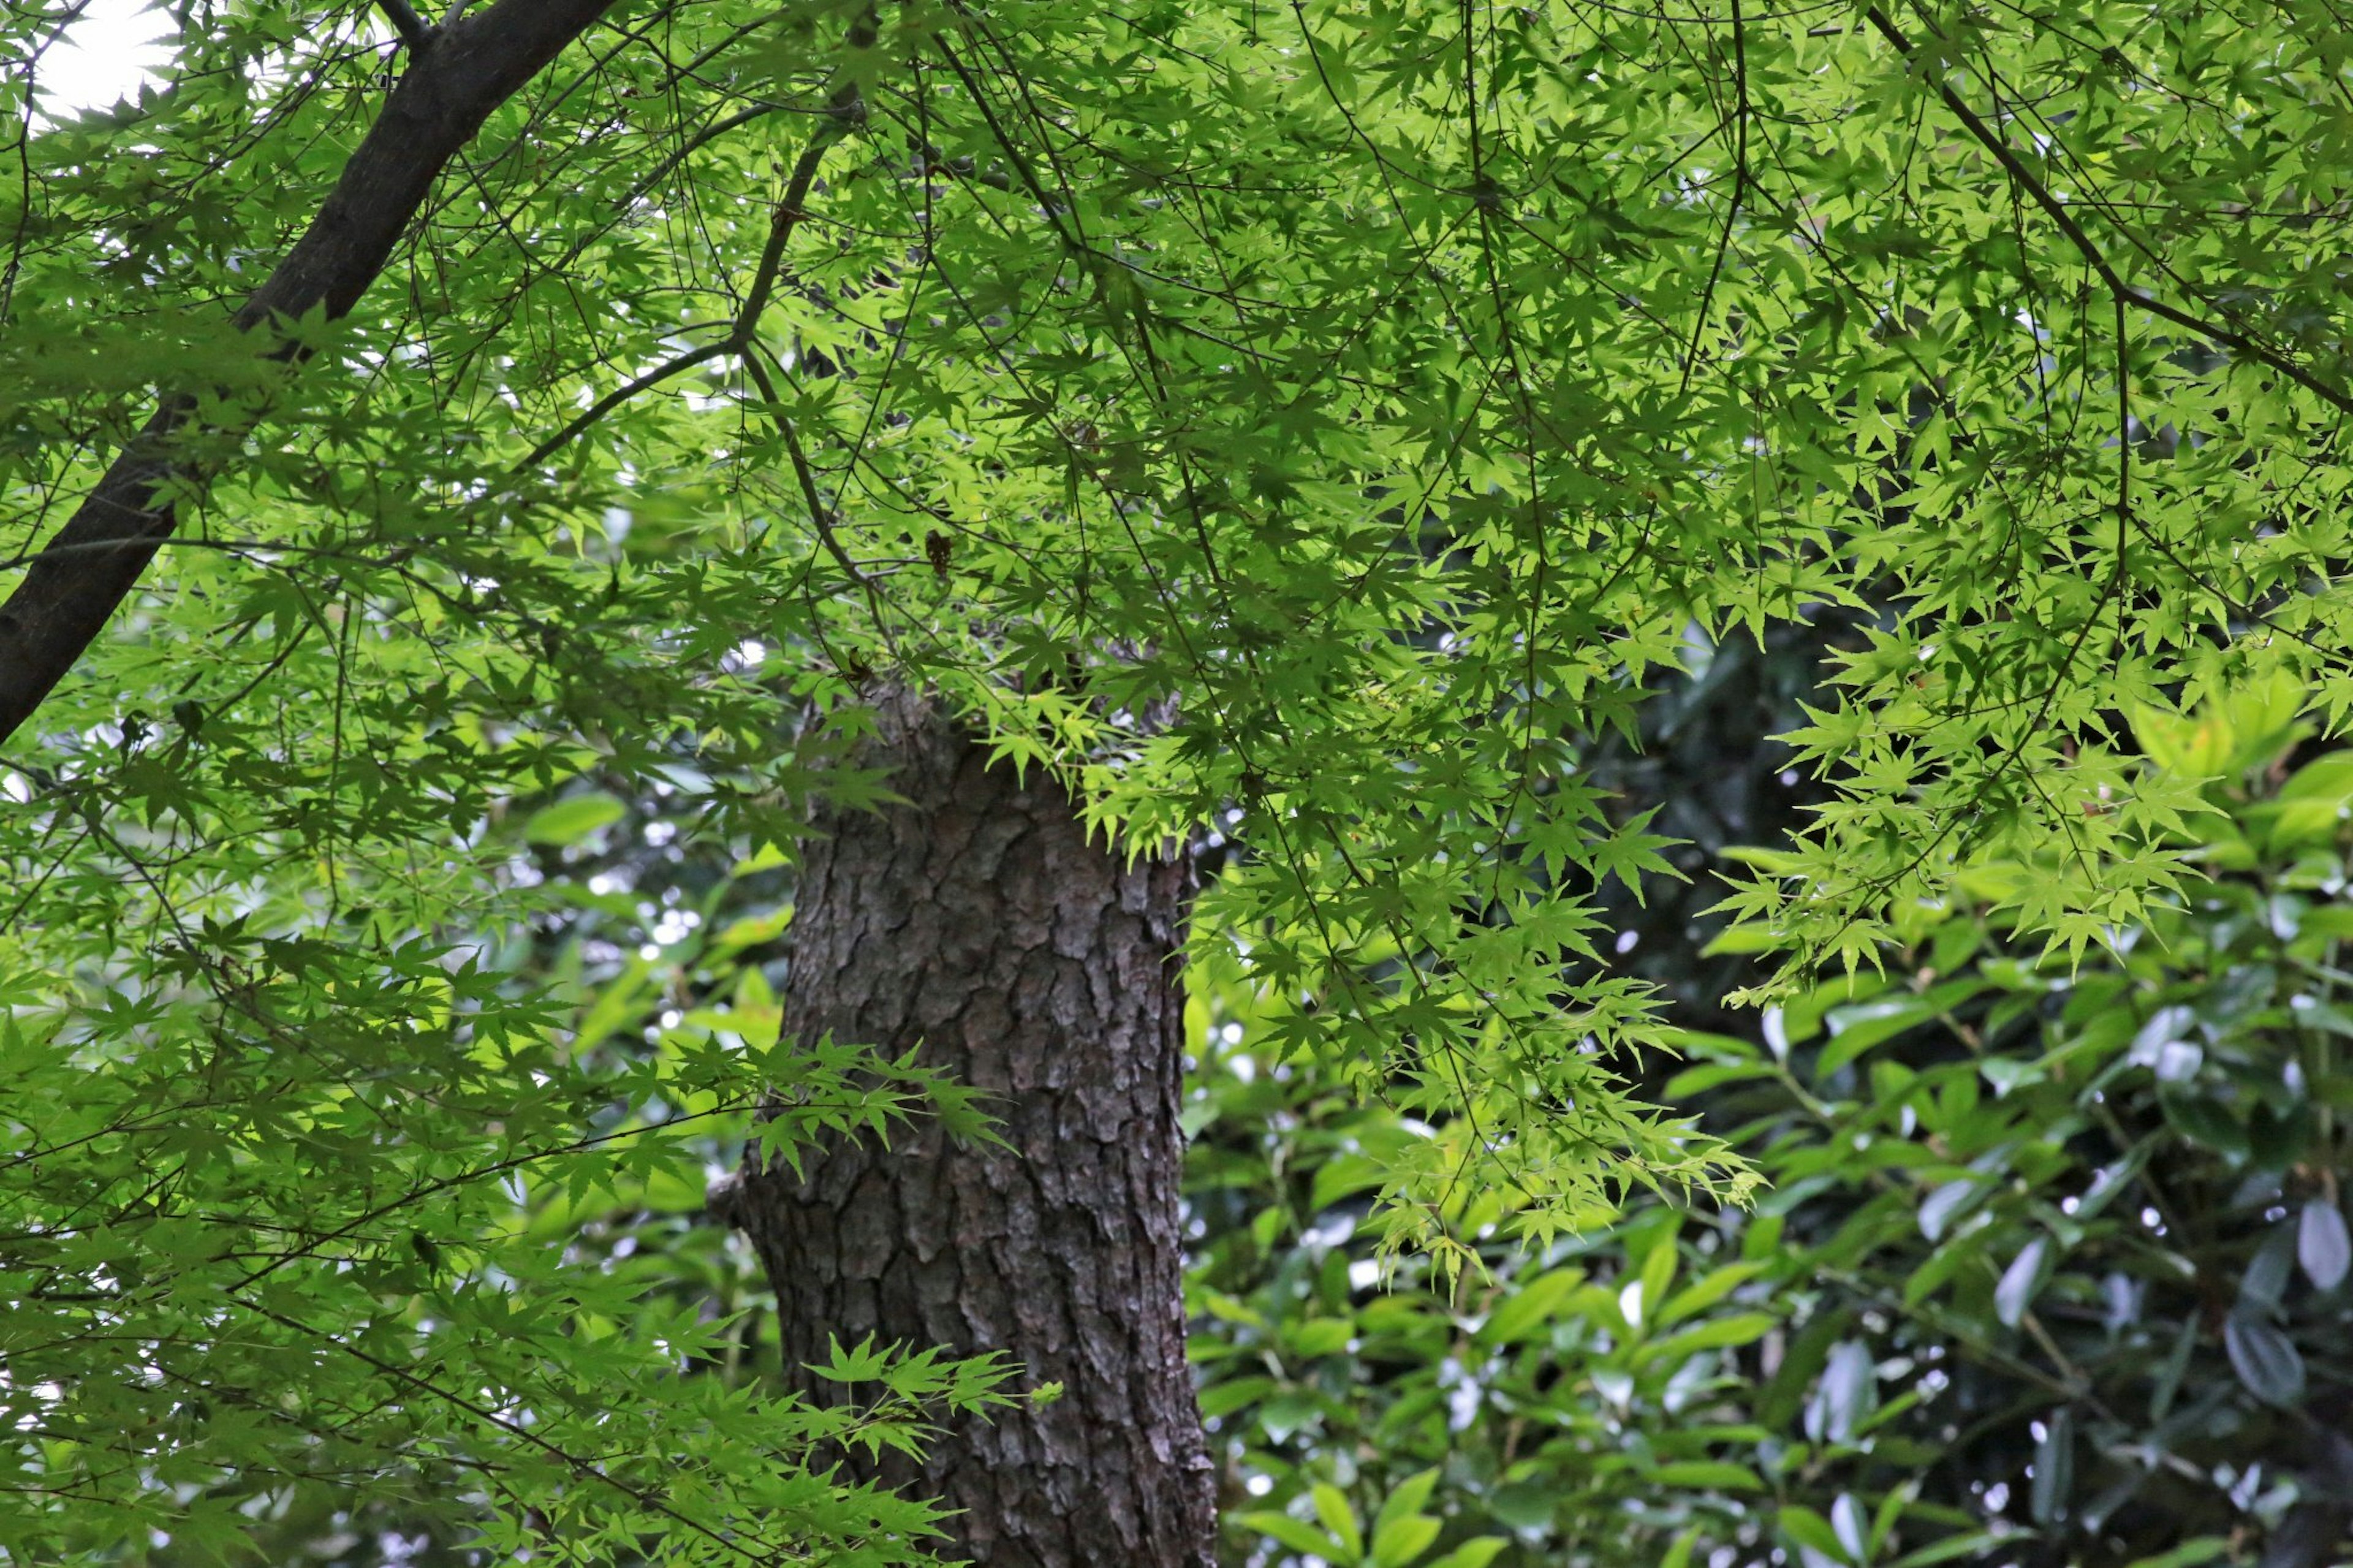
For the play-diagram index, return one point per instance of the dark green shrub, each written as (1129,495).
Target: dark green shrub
(2053,1270)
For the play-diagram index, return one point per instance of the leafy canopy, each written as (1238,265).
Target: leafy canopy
(1312,420)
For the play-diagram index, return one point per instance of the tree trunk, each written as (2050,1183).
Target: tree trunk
(978,920)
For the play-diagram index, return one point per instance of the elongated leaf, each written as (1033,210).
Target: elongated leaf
(1476,1553)
(2055,1468)
(1331,1508)
(1407,1499)
(2322,1245)
(1847,1394)
(2013,1293)
(1807,1529)
(2267,1362)
(1708,1473)
(1295,1533)
(1856,1029)
(1946,1549)
(2188,1554)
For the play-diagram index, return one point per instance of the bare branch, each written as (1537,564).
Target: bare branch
(411,26)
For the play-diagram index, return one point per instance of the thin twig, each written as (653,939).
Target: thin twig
(2042,196)
(790,211)
(820,515)
(622,394)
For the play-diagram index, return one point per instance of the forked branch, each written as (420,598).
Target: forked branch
(2052,208)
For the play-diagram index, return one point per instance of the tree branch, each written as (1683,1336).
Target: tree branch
(622,394)
(740,332)
(92,563)
(409,24)
(2040,194)
(821,517)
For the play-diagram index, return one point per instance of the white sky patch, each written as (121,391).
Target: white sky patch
(112,50)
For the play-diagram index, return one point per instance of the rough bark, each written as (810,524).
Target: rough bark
(978,920)
(466,70)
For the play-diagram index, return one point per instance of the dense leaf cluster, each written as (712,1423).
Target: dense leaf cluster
(1314,420)
(2053,1269)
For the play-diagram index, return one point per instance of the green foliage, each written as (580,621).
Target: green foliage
(1583,1403)
(380,1284)
(1317,421)
(2053,1270)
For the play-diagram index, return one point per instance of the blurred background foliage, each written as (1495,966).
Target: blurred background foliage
(2053,1269)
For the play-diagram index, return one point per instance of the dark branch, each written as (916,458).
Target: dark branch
(740,333)
(844,112)
(2042,196)
(622,394)
(409,24)
(92,563)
